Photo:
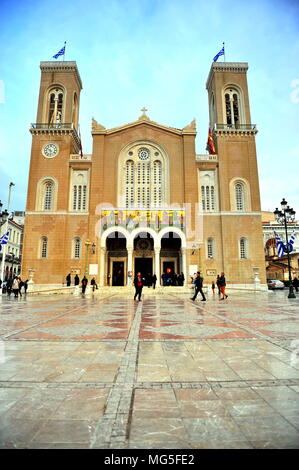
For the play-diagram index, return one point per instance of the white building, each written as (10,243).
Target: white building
(13,256)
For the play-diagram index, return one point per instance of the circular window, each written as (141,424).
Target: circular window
(130,153)
(143,153)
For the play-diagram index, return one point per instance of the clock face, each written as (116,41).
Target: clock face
(50,150)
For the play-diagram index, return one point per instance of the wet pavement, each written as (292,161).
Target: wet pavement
(108,372)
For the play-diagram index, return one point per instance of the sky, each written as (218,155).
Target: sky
(157,54)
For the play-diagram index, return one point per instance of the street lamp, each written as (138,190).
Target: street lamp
(283,216)
(12,255)
(3,215)
(4,220)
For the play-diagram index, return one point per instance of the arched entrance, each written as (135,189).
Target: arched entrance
(116,246)
(143,255)
(170,258)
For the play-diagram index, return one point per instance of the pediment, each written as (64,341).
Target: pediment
(143,120)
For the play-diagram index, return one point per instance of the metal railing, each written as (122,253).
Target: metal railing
(53,125)
(78,157)
(241,127)
(136,218)
(206,158)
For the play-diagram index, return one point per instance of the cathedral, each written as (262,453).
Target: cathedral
(143,200)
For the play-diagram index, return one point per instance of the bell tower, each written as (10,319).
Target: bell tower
(55,141)
(59,94)
(238,183)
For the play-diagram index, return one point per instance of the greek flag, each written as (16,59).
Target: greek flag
(61,52)
(4,239)
(279,245)
(292,239)
(219,54)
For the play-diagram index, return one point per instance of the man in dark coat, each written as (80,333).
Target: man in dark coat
(68,279)
(138,283)
(198,287)
(77,280)
(84,284)
(154,280)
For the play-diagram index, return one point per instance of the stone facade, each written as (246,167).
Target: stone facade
(143,200)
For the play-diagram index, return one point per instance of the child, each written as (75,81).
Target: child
(213,287)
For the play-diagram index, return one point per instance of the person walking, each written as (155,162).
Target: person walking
(164,279)
(9,286)
(68,280)
(15,286)
(138,283)
(94,284)
(84,284)
(213,287)
(76,280)
(154,280)
(296,283)
(25,286)
(21,284)
(222,283)
(218,283)
(198,287)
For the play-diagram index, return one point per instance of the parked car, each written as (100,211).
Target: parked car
(275,284)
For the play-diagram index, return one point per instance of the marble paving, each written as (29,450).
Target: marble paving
(167,372)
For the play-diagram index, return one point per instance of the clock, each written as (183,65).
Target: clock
(50,150)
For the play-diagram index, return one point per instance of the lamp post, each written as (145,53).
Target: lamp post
(87,244)
(4,220)
(12,255)
(283,216)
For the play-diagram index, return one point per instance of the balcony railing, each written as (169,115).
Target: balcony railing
(241,127)
(78,157)
(136,218)
(206,158)
(53,125)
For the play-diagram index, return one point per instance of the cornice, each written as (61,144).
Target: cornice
(62,66)
(236,67)
(98,129)
(57,131)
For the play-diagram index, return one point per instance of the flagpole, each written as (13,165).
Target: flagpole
(224,52)
(64,50)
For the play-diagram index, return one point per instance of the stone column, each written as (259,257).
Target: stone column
(102,266)
(157,266)
(184,265)
(130,266)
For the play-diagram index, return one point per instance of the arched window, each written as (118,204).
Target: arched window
(208,197)
(75,110)
(142,178)
(232,107)
(243,248)
(79,197)
(210,248)
(157,181)
(44,247)
(240,196)
(56,98)
(77,248)
(130,183)
(48,196)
